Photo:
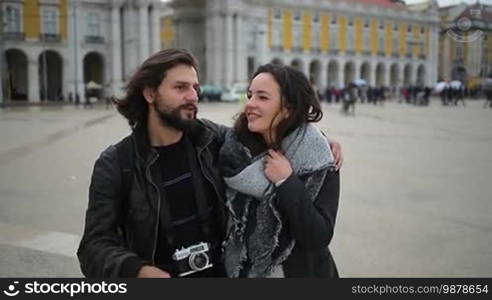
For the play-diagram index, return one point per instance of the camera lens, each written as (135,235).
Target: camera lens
(199,261)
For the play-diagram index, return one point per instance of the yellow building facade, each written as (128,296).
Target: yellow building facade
(55,48)
(333,42)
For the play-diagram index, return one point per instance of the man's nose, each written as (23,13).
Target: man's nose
(192,95)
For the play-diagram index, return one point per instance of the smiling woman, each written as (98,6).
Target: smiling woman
(282,189)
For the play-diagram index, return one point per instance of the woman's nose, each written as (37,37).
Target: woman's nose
(251,102)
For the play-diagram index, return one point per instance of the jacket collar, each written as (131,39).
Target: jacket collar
(199,135)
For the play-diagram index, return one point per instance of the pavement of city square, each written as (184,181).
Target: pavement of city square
(416,187)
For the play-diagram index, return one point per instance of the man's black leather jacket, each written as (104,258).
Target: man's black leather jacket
(121,230)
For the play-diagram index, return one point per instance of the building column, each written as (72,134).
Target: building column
(33,80)
(144,30)
(433,59)
(323,77)
(413,74)
(209,51)
(357,65)
(241,58)
(386,78)
(75,37)
(262,45)
(228,77)
(116,62)
(373,73)
(155,28)
(341,74)
(130,43)
(218,46)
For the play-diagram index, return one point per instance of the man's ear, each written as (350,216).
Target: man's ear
(148,94)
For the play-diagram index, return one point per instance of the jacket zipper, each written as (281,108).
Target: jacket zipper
(156,229)
(205,174)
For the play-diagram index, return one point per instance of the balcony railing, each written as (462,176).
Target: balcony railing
(395,55)
(334,51)
(14,36)
(408,55)
(422,56)
(381,53)
(94,39)
(50,37)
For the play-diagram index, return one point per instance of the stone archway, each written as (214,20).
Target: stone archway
(50,76)
(348,73)
(365,72)
(16,76)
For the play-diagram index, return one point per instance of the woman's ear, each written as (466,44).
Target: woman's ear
(148,94)
(285,112)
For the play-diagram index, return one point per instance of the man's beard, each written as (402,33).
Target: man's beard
(172,117)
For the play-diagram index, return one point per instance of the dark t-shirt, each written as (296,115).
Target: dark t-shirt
(177,190)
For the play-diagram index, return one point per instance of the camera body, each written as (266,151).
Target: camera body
(193,259)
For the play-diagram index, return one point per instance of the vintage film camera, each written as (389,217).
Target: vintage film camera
(193,259)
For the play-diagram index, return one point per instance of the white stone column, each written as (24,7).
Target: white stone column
(155,28)
(386,78)
(357,65)
(210,56)
(433,57)
(241,60)
(218,46)
(33,80)
(143,22)
(323,77)
(116,44)
(373,75)
(261,37)
(228,77)
(80,75)
(413,73)
(341,74)
(76,60)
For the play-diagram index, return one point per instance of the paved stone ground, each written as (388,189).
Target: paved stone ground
(416,194)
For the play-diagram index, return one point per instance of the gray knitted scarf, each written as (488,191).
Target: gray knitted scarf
(265,244)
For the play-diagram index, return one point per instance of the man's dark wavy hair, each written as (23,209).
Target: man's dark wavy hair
(296,94)
(150,74)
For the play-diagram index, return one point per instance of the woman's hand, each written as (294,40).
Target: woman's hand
(277,166)
(336,149)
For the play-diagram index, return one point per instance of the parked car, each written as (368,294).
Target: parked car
(209,92)
(236,93)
